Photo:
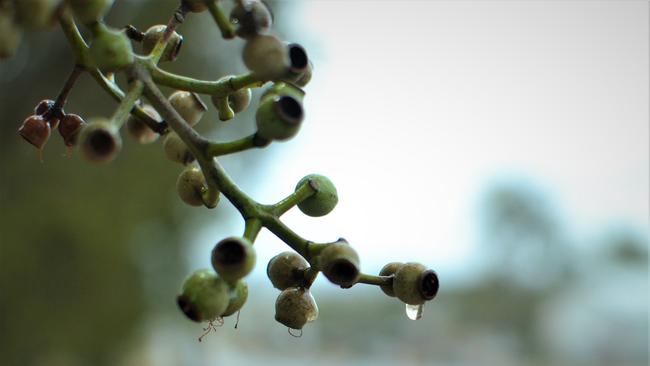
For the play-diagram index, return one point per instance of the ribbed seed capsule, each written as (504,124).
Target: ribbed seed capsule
(88,11)
(295,307)
(176,150)
(279,118)
(389,270)
(204,296)
(252,17)
(238,297)
(100,141)
(139,130)
(285,270)
(323,200)
(188,105)
(69,128)
(414,284)
(340,264)
(155,33)
(233,258)
(190,186)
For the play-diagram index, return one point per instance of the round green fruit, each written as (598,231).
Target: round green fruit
(323,200)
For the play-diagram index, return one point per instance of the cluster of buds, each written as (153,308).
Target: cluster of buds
(208,295)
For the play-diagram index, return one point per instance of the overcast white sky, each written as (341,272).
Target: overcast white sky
(416,106)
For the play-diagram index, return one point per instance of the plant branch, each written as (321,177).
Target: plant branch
(226,28)
(215,149)
(292,200)
(220,88)
(375,280)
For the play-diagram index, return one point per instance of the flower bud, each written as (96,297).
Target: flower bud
(100,141)
(286,270)
(69,128)
(111,49)
(279,118)
(154,34)
(414,283)
(35,14)
(233,258)
(238,297)
(10,34)
(139,130)
(389,270)
(204,296)
(176,150)
(35,130)
(196,6)
(340,263)
(88,11)
(266,56)
(295,307)
(188,105)
(323,200)
(190,186)
(252,17)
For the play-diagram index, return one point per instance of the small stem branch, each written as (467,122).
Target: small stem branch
(310,276)
(62,98)
(308,249)
(253,227)
(375,280)
(226,28)
(219,88)
(215,149)
(124,110)
(292,200)
(79,46)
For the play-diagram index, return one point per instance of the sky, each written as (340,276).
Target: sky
(417,108)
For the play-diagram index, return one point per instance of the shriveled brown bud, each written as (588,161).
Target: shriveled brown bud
(46,108)
(69,128)
(35,130)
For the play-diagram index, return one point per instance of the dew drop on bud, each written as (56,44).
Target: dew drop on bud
(414,312)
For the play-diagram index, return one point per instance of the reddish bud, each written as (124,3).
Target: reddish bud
(35,130)
(69,128)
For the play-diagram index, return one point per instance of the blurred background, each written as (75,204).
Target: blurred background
(503,144)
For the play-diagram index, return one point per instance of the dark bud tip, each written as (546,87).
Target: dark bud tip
(429,284)
(186,307)
(298,59)
(289,109)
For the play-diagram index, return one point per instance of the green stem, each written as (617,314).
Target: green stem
(79,46)
(215,149)
(308,249)
(253,227)
(375,280)
(310,276)
(124,109)
(226,28)
(302,193)
(221,87)
(225,112)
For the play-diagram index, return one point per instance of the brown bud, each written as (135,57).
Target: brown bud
(35,130)
(69,128)
(139,130)
(46,108)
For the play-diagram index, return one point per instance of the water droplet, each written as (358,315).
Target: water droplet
(414,312)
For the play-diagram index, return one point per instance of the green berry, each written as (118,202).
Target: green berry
(414,284)
(100,141)
(176,150)
(340,263)
(204,296)
(10,33)
(267,57)
(111,49)
(323,200)
(69,128)
(233,258)
(279,118)
(252,17)
(196,6)
(139,130)
(389,270)
(188,105)
(286,270)
(190,186)
(35,14)
(89,11)
(154,34)
(238,297)
(35,130)
(295,307)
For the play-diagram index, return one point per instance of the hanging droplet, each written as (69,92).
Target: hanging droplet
(414,312)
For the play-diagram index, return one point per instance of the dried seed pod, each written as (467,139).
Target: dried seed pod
(111,49)
(35,130)
(89,11)
(285,270)
(295,307)
(100,141)
(414,283)
(204,296)
(389,270)
(139,130)
(323,200)
(233,258)
(176,150)
(340,264)
(69,128)
(154,34)
(252,17)
(238,297)
(279,118)
(190,186)
(189,105)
